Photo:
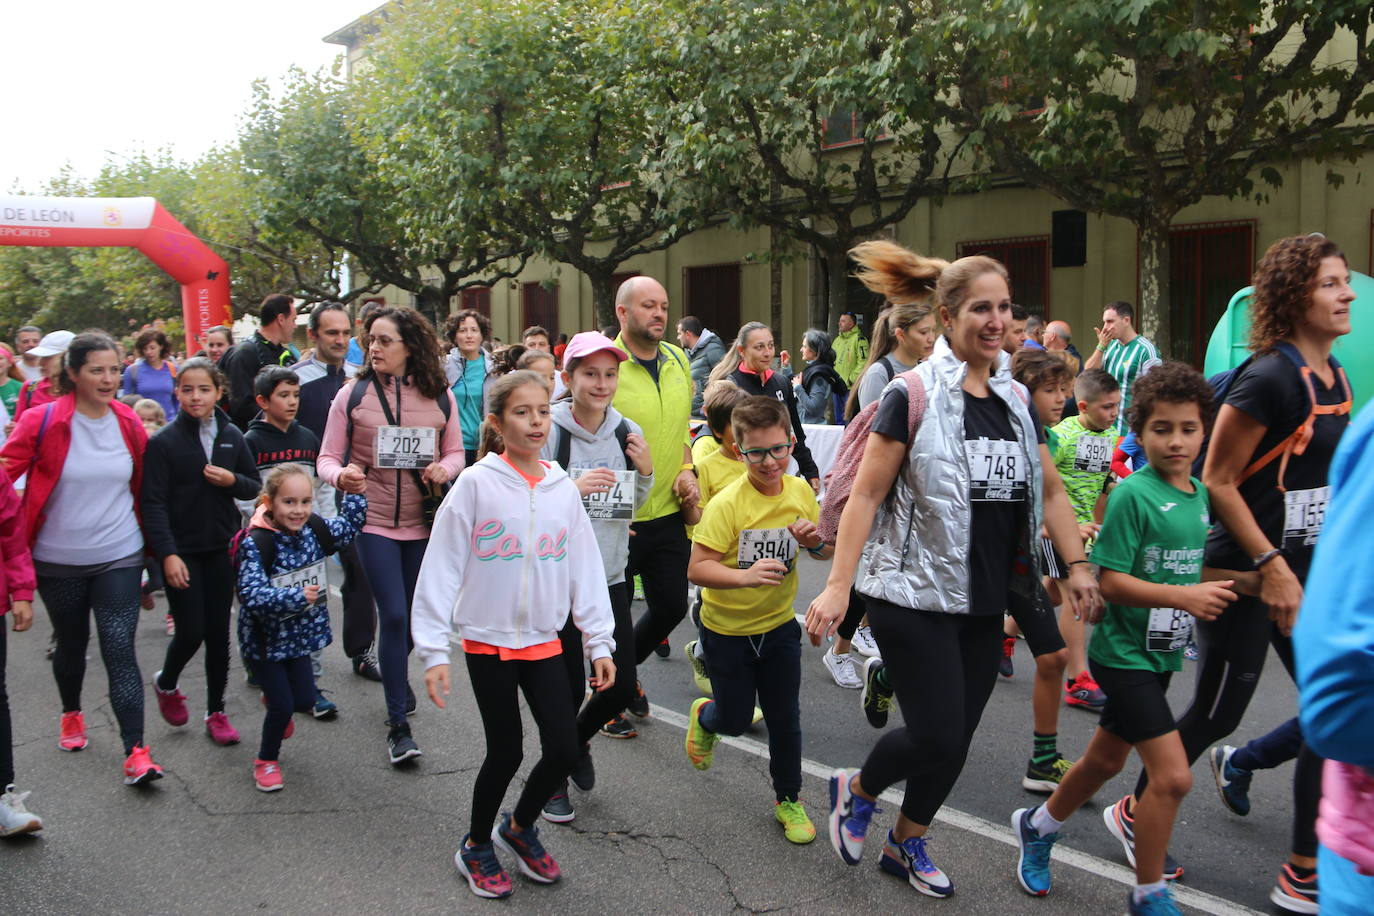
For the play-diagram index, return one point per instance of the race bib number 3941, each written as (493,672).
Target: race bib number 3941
(757,544)
(997,470)
(405,446)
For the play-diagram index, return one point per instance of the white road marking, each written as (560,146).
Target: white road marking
(1112,871)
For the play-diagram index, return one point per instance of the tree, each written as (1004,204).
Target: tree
(837,106)
(1140,109)
(532,114)
(313,172)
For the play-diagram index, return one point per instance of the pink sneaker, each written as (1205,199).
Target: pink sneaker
(267,775)
(171,703)
(73,731)
(219,729)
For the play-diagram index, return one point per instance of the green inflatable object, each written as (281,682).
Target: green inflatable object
(1229,345)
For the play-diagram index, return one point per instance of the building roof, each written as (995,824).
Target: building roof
(359,28)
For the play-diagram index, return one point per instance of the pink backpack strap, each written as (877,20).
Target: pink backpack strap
(915,404)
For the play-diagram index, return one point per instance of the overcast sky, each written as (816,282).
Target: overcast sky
(83,77)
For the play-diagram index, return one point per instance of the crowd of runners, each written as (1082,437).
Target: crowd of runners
(1122,513)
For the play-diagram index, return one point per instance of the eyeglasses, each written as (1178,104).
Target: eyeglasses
(776,452)
(384,342)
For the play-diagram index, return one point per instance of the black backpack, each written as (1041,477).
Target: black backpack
(267,545)
(563,448)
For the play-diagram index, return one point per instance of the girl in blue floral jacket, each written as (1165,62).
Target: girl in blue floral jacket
(283,613)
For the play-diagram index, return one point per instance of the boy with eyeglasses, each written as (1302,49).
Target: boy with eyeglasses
(744,555)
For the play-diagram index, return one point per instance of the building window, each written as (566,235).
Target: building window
(1027,260)
(540,307)
(712,294)
(844,127)
(477,298)
(1208,264)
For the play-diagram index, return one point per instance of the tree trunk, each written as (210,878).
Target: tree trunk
(603,293)
(837,283)
(775,247)
(433,304)
(1153,318)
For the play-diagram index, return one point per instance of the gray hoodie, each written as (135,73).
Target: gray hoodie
(600,449)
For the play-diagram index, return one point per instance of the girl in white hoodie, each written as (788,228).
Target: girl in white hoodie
(511,555)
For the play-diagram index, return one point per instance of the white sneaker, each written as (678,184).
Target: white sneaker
(864,643)
(841,668)
(14,817)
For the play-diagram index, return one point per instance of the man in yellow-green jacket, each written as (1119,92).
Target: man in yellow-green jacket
(655,391)
(851,349)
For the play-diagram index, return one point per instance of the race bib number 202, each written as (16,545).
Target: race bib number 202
(405,446)
(997,470)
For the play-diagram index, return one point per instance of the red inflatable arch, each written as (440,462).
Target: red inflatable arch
(128,222)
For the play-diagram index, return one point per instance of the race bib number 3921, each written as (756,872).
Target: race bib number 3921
(757,544)
(997,470)
(405,446)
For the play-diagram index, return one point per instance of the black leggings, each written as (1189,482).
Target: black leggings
(1232,651)
(289,687)
(659,553)
(112,598)
(932,659)
(604,706)
(496,686)
(201,613)
(853,615)
(6,735)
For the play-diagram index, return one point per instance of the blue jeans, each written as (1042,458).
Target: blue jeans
(392,567)
(289,687)
(767,666)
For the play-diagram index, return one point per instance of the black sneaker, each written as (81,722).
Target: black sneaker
(559,810)
(410,701)
(400,745)
(583,773)
(365,666)
(619,727)
(663,650)
(639,703)
(875,700)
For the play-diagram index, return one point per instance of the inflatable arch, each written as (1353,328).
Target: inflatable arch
(128,222)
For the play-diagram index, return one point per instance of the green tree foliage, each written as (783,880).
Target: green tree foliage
(532,115)
(1142,108)
(820,121)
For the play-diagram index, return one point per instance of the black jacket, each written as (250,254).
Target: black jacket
(780,386)
(319,384)
(182,511)
(240,364)
(270,446)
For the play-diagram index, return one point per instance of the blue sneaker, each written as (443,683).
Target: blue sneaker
(1033,867)
(849,817)
(909,859)
(325,708)
(1233,783)
(1159,903)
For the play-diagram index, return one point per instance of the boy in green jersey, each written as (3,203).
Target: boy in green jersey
(1150,551)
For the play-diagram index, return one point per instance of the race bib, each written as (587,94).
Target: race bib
(997,470)
(1093,454)
(405,446)
(616,503)
(299,578)
(1304,513)
(766,544)
(1168,629)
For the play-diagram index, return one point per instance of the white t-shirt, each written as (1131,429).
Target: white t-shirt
(90,515)
(31,373)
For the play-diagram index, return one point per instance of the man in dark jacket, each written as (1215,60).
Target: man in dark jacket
(267,347)
(704,349)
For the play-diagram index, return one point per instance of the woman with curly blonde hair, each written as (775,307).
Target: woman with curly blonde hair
(1266,471)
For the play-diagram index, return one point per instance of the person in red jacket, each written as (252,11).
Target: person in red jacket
(16,598)
(83,454)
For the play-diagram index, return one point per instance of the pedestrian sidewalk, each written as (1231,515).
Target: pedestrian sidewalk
(350,834)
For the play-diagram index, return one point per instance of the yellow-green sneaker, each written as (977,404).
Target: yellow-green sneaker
(796,826)
(700,743)
(699,675)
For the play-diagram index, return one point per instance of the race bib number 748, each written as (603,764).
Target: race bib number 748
(997,470)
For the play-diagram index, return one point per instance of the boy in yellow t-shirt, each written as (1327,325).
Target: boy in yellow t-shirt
(720,467)
(744,557)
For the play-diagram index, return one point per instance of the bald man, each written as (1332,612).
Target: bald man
(1059,338)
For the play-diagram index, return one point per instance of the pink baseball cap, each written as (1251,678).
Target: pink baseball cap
(588,342)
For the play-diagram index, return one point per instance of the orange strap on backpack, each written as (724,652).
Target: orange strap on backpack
(1296,444)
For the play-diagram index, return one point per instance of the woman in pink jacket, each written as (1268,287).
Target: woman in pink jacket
(394,433)
(16,597)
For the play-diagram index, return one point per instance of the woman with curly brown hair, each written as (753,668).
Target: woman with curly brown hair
(1266,472)
(470,372)
(394,433)
(152,375)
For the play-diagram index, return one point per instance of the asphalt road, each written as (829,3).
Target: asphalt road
(350,834)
